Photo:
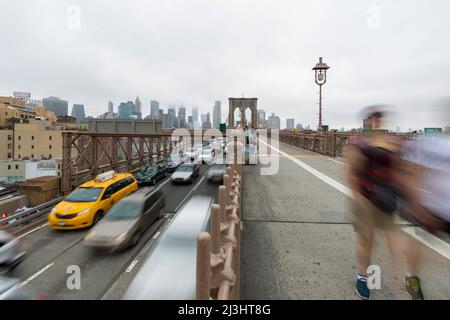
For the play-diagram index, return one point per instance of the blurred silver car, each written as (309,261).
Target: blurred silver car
(10,252)
(168,272)
(10,289)
(186,173)
(216,172)
(127,221)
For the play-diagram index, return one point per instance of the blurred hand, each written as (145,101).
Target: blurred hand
(429,221)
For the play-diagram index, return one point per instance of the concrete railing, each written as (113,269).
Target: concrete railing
(218,252)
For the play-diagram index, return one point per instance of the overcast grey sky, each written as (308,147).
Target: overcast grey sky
(193,52)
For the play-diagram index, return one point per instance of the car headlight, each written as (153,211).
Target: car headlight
(84,212)
(53,211)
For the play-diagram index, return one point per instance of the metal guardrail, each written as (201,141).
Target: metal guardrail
(9,196)
(331,144)
(27,215)
(22,217)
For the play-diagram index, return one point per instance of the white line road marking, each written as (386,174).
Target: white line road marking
(343,163)
(37,274)
(156,235)
(426,238)
(131,266)
(438,245)
(190,192)
(162,184)
(314,172)
(31,231)
(292,155)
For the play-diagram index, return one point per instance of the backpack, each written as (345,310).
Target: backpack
(378,187)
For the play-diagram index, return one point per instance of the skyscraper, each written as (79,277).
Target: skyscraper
(78,113)
(58,106)
(195,115)
(165,121)
(137,108)
(131,106)
(206,120)
(125,110)
(172,117)
(217,114)
(172,111)
(182,116)
(290,124)
(110,107)
(154,109)
(203,119)
(273,122)
(261,118)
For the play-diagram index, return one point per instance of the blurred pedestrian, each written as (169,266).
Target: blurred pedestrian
(427,182)
(373,161)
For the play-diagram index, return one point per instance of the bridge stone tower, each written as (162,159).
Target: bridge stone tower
(242,104)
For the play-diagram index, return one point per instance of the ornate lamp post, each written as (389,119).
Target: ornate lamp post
(321,78)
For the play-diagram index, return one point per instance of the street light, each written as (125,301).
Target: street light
(321,78)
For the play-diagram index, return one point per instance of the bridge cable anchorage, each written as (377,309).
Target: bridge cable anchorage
(218,252)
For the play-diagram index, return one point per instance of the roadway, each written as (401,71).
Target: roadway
(298,241)
(103,275)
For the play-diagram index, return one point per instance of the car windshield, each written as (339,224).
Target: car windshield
(124,210)
(84,195)
(185,169)
(218,166)
(150,169)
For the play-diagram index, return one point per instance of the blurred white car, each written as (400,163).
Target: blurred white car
(10,253)
(215,145)
(207,156)
(192,153)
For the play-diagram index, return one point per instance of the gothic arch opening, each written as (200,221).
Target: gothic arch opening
(247,110)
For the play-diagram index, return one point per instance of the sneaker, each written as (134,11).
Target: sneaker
(362,290)
(413,288)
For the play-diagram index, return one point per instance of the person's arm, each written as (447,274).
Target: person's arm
(409,185)
(356,161)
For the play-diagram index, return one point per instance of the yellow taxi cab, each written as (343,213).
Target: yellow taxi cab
(88,203)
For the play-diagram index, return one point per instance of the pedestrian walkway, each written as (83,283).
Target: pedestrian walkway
(298,242)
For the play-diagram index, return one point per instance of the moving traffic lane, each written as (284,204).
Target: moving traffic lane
(52,255)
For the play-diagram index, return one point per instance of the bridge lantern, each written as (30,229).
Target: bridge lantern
(321,72)
(321,78)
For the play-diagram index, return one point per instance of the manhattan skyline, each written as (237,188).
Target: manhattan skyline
(387,52)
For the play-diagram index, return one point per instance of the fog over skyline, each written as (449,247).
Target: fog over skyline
(194,52)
